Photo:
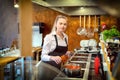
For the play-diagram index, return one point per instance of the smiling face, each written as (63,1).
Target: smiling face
(61,25)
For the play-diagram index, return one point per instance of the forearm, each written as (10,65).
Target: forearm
(45,57)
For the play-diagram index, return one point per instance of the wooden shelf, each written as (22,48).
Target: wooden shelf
(103,47)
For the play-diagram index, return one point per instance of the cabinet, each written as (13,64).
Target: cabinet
(7,67)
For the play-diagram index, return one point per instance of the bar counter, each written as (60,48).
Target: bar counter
(28,69)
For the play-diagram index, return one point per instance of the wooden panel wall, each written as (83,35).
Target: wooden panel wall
(109,21)
(74,38)
(46,15)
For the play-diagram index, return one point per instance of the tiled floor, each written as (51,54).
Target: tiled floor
(93,76)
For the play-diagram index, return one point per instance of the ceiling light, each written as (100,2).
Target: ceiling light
(81,8)
(16,5)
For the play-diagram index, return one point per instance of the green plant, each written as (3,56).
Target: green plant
(109,34)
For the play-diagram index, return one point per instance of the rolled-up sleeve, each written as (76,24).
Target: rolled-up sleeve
(46,49)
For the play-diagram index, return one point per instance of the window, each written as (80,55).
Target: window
(36,36)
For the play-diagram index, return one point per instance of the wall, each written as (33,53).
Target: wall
(46,15)
(8,23)
(109,21)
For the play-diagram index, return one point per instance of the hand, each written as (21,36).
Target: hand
(57,59)
(64,58)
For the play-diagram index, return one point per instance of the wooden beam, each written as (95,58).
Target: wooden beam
(25,20)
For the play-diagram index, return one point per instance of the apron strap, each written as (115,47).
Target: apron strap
(57,40)
(66,41)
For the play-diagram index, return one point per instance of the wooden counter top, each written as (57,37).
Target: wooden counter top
(36,48)
(3,62)
(6,60)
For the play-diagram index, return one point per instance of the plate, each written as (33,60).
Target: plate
(81,50)
(92,42)
(84,43)
(93,51)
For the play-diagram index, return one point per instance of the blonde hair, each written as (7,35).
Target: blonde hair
(55,22)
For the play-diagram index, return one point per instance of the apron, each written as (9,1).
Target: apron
(59,51)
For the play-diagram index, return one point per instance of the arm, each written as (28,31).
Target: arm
(48,46)
(46,49)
